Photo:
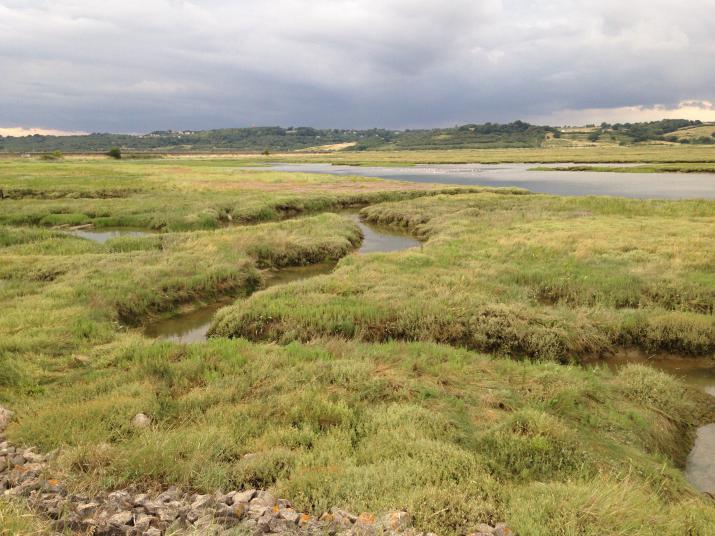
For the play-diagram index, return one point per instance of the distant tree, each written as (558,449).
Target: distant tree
(593,136)
(115,152)
(557,134)
(265,152)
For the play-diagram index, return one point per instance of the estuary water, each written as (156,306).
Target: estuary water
(636,185)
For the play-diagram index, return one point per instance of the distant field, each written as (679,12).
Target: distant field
(696,132)
(665,153)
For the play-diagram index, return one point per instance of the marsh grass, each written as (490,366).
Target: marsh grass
(684,167)
(525,276)
(456,437)
(16,520)
(178,196)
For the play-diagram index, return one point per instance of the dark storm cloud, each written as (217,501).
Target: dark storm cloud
(142,65)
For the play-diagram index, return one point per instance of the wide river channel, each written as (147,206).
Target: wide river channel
(638,185)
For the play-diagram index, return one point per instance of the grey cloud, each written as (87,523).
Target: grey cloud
(142,65)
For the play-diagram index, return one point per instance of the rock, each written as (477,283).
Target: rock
(120,500)
(289,515)
(3,463)
(365,525)
(18,459)
(264,498)
(244,496)
(168,513)
(305,519)
(171,494)
(201,501)
(140,420)
(5,417)
(396,521)
(483,528)
(122,518)
(31,457)
(153,531)
(143,521)
(87,509)
(502,530)
(342,517)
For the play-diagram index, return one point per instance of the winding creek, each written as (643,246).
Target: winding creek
(105,234)
(192,326)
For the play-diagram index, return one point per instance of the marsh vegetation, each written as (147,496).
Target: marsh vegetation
(444,379)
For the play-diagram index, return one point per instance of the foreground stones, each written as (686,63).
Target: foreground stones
(128,512)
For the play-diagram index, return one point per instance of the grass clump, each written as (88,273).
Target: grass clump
(17,520)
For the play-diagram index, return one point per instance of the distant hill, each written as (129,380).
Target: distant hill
(667,130)
(278,139)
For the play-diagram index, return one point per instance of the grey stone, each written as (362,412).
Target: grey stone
(256,510)
(143,521)
(171,494)
(264,498)
(5,417)
(122,518)
(121,499)
(244,496)
(201,501)
(140,420)
(87,509)
(484,529)
(167,513)
(289,515)
(396,521)
(501,529)
(31,457)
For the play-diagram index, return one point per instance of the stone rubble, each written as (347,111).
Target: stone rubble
(128,512)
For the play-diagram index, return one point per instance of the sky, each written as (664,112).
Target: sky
(137,66)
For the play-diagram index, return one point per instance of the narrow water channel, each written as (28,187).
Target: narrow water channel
(103,235)
(192,326)
(700,373)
